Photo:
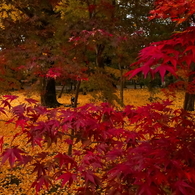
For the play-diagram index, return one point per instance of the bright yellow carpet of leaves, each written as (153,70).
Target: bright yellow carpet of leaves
(9,185)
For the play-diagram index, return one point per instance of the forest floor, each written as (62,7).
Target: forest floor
(135,97)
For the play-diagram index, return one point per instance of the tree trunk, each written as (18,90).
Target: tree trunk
(121,85)
(48,93)
(62,90)
(75,105)
(77,93)
(189,97)
(135,84)
(189,102)
(99,58)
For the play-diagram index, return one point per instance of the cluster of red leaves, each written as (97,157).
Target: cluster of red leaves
(92,36)
(178,10)
(167,56)
(145,150)
(59,68)
(173,54)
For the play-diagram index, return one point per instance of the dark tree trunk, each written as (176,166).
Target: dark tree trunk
(134,84)
(121,85)
(75,106)
(189,97)
(61,92)
(99,58)
(48,93)
(77,93)
(189,102)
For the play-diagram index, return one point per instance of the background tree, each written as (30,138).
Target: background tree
(120,19)
(38,39)
(32,38)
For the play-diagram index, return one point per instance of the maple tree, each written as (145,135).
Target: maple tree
(173,54)
(32,48)
(118,42)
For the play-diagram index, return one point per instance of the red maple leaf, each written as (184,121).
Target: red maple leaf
(2,110)
(39,168)
(5,103)
(12,154)
(64,159)
(40,182)
(31,101)
(10,97)
(91,177)
(21,123)
(67,177)
(182,187)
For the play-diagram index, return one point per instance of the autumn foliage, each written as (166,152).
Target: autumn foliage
(168,55)
(98,149)
(144,150)
(174,54)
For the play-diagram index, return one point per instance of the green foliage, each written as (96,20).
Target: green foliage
(70,8)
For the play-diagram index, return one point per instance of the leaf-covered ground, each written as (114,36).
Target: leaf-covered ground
(18,181)
(136,97)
